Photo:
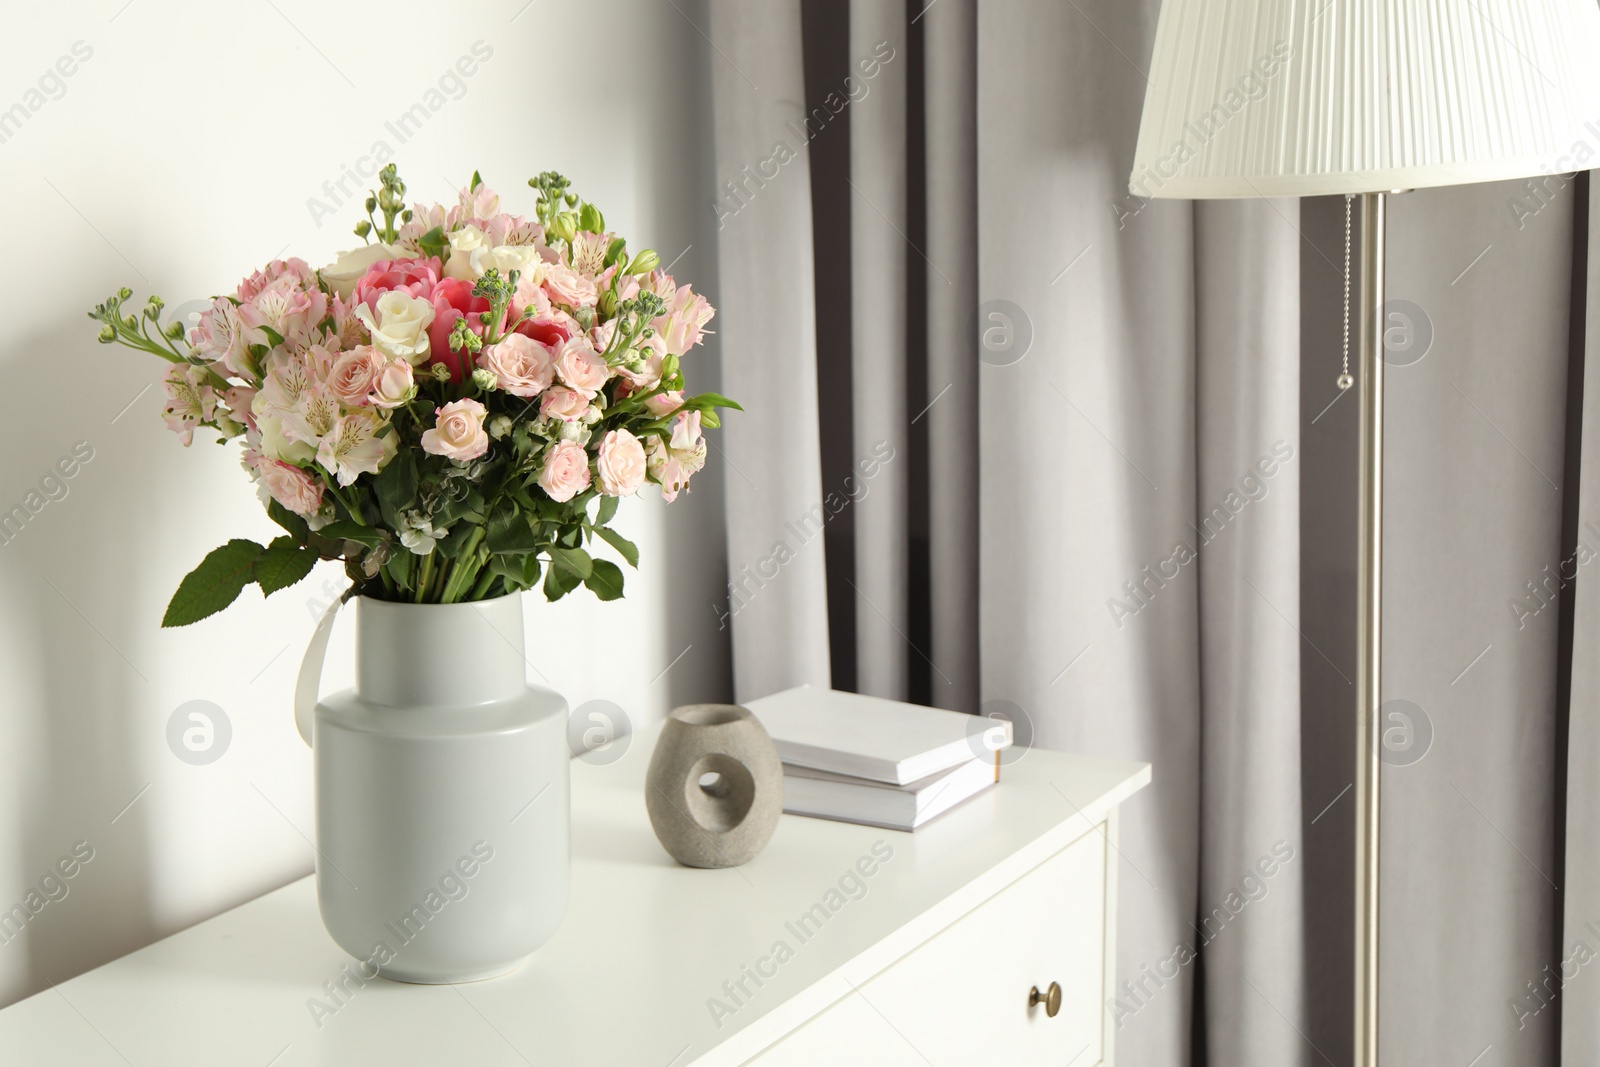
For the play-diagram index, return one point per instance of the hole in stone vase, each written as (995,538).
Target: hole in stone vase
(719,792)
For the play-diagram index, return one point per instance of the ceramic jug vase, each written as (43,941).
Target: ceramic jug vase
(441,793)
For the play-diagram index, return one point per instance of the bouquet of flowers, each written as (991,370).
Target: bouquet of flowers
(440,407)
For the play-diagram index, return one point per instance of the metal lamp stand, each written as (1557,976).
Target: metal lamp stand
(1369,631)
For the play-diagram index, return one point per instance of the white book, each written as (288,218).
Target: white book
(895,807)
(869,737)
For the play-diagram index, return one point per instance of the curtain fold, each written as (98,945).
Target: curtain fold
(950,95)
(878,251)
(777,601)
(1247,536)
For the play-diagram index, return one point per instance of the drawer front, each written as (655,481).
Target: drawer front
(961,998)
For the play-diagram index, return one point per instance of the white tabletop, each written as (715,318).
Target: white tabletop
(625,981)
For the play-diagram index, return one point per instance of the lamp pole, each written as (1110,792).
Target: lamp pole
(1369,631)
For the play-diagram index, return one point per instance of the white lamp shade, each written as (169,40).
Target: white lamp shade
(1310,97)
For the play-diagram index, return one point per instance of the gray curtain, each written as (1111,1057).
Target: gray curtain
(1122,502)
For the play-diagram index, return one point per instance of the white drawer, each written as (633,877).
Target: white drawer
(961,998)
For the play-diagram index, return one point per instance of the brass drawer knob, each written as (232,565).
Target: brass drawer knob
(1050,998)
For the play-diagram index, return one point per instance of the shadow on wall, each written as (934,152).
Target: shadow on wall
(80,894)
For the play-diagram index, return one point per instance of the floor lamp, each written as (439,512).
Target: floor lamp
(1259,98)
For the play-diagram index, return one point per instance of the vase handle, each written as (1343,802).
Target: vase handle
(305,689)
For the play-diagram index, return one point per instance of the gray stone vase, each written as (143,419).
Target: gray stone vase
(714,790)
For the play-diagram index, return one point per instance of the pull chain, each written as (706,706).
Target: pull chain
(1345,381)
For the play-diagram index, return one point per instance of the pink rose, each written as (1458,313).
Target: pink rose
(458,432)
(352,375)
(392,385)
(567,286)
(414,277)
(566,471)
(562,403)
(581,367)
(452,300)
(522,366)
(291,486)
(621,464)
(664,403)
(548,332)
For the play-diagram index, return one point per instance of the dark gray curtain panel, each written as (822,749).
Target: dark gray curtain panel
(1022,442)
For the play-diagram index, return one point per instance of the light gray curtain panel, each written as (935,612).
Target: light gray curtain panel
(1017,441)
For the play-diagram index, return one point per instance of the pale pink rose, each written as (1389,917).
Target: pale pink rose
(647,375)
(581,367)
(351,378)
(567,286)
(621,464)
(566,471)
(522,366)
(291,486)
(664,403)
(458,431)
(392,385)
(562,403)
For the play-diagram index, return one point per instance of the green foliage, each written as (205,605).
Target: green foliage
(223,574)
(625,548)
(282,564)
(605,582)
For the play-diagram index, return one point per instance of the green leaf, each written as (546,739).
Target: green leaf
(215,584)
(434,242)
(396,486)
(345,530)
(606,581)
(510,533)
(283,564)
(558,583)
(625,548)
(574,561)
(399,568)
(606,511)
(294,524)
(711,400)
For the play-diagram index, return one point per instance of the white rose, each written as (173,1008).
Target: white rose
(463,244)
(400,326)
(507,258)
(345,271)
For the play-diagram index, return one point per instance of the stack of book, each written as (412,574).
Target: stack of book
(867,760)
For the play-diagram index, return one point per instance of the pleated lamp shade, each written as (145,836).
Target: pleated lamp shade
(1311,97)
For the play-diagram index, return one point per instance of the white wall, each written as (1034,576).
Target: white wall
(181,154)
